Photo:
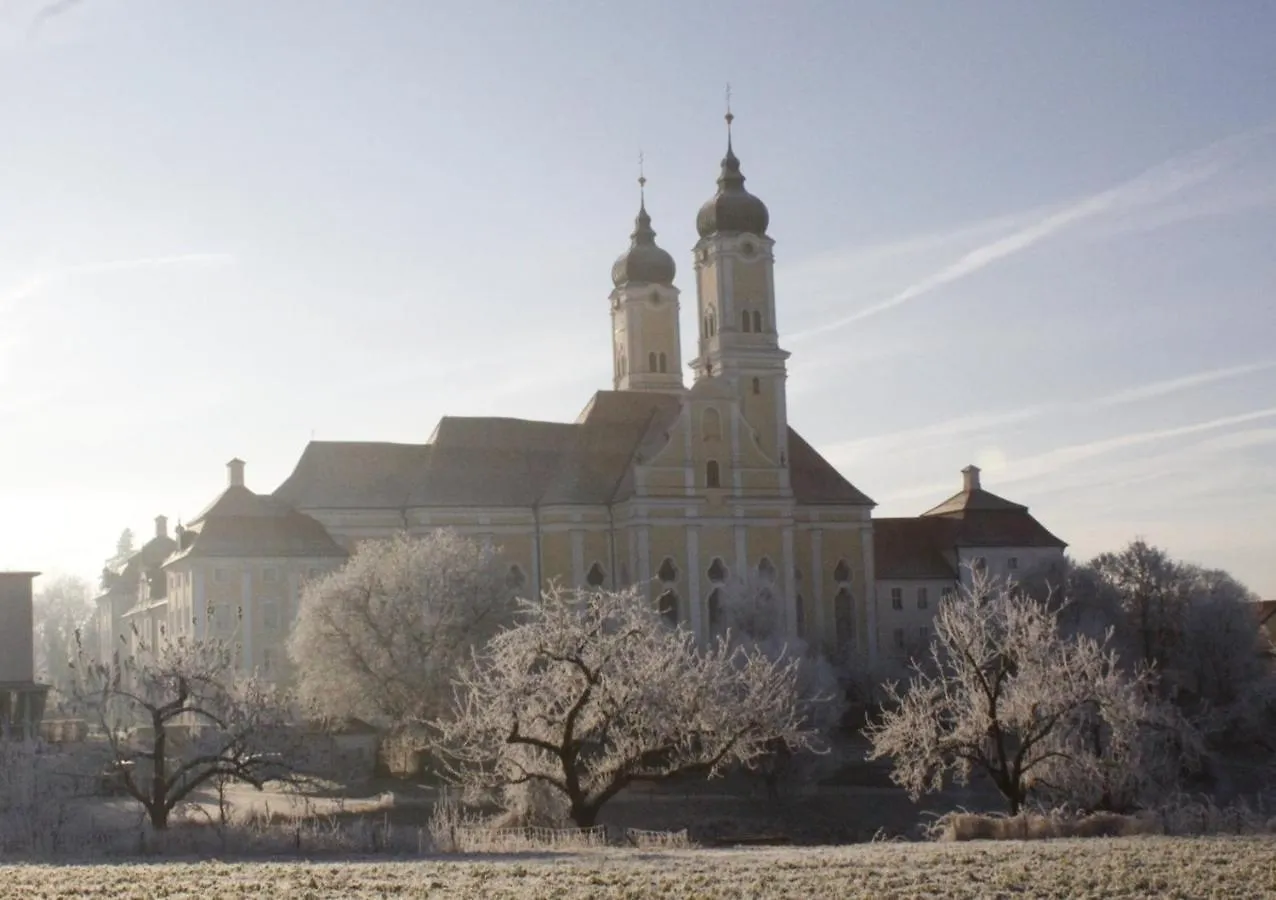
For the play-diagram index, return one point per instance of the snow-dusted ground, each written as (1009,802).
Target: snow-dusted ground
(1123,868)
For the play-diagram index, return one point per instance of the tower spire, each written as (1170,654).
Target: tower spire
(730,117)
(642,183)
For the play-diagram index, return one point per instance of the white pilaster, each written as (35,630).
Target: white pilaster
(578,557)
(695,612)
(787,582)
(199,606)
(246,625)
(817,584)
(870,590)
(644,559)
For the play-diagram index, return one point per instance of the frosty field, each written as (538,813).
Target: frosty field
(1122,868)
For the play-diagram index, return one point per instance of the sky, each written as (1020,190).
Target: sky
(1035,237)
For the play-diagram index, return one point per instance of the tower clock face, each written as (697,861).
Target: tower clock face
(747,250)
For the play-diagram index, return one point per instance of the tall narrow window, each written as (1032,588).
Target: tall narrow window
(923,598)
(717,571)
(715,611)
(663,363)
(844,615)
(711,424)
(842,572)
(799,612)
(744,320)
(712,477)
(596,577)
(897,598)
(514,578)
(757,385)
(667,606)
(757,321)
(668,571)
(651,362)
(713,322)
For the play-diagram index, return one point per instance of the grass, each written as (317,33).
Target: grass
(1098,868)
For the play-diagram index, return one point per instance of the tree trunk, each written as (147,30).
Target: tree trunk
(158,807)
(584,814)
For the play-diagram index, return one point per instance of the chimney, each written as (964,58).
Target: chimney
(970,478)
(17,628)
(235,472)
(161,526)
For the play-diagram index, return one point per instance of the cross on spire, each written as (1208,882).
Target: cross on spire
(642,180)
(730,116)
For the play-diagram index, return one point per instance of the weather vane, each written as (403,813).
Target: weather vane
(642,180)
(730,117)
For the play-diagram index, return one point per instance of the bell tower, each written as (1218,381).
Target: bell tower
(646,345)
(735,295)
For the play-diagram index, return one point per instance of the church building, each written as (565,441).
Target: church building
(678,489)
(675,487)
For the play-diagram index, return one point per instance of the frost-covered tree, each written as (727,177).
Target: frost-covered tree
(592,691)
(1004,692)
(1193,627)
(180,717)
(381,638)
(60,610)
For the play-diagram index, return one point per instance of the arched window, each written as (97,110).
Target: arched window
(663,363)
(744,320)
(597,576)
(757,385)
(717,570)
(668,571)
(715,611)
(844,615)
(515,579)
(842,572)
(667,606)
(757,321)
(624,365)
(766,570)
(713,322)
(711,424)
(712,477)
(704,327)
(651,362)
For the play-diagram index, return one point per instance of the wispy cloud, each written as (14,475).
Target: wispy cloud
(940,433)
(1151,187)
(1050,463)
(1176,385)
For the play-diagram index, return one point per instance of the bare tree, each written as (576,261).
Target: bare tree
(592,691)
(381,638)
(180,717)
(60,610)
(1006,694)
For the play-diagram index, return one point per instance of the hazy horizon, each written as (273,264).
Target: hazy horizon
(1035,238)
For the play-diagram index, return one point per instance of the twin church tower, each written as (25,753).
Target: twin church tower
(735,303)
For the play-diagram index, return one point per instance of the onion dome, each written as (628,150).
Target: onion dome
(732,210)
(643,262)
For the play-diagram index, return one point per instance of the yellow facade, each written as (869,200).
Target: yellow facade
(709,484)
